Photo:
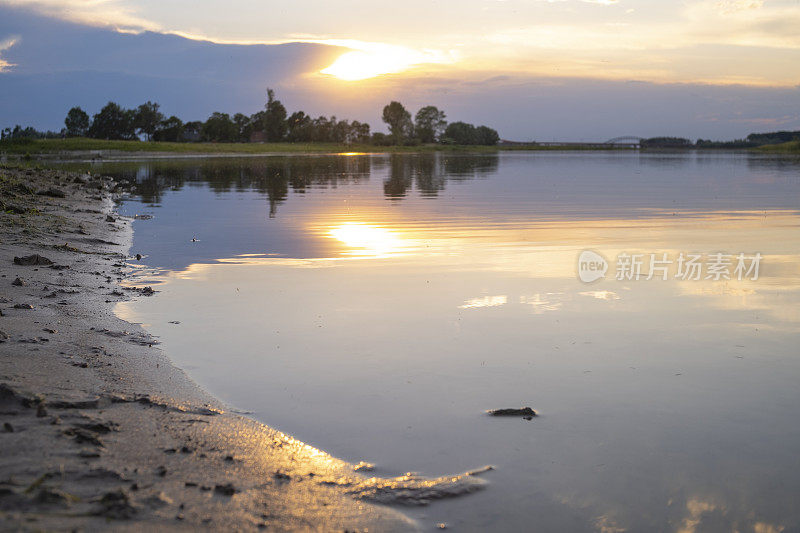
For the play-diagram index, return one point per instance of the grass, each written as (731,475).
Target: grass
(792,147)
(79,144)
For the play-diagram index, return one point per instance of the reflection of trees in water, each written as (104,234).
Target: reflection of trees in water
(429,172)
(275,176)
(271,176)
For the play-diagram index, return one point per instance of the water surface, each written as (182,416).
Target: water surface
(375,306)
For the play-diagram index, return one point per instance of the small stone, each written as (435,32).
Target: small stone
(19,282)
(226,490)
(23,306)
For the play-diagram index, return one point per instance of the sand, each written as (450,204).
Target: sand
(98,429)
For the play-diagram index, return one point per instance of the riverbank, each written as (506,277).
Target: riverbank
(100,430)
(81,147)
(784,148)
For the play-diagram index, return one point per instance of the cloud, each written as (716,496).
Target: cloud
(5,45)
(100,13)
(734,6)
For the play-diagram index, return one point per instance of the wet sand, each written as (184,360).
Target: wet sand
(100,430)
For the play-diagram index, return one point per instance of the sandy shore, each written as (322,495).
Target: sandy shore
(100,430)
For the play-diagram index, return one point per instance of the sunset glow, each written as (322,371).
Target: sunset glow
(375,59)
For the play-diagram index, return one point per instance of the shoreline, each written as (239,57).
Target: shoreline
(99,429)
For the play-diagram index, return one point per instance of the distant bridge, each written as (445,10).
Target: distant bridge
(628,141)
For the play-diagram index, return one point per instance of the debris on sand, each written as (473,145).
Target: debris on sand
(526,412)
(19,282)
(23,306)
(52,192)
(33,259)
(82,436)
(116,504)
(50,496)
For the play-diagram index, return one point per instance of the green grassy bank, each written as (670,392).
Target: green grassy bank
(79,144)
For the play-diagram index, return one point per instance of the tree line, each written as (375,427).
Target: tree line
(271,124)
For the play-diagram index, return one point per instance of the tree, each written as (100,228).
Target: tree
(300,127)
(274,119)
(244,126)
(461,133)
(429,124)
(486,136)
(170,129)
(220,128)
(192,131)
(113,122)
(359,133)
(77,122)
(147,118)
(399,121)
(322,129)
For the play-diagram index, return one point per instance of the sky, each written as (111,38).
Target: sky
(532,69)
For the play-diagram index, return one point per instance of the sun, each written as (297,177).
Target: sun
(368,60)
(358,65)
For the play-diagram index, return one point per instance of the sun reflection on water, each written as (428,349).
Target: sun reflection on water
(366,239)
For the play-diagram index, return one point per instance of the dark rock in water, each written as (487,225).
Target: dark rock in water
(33,259)
(52,192)
(525,412)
